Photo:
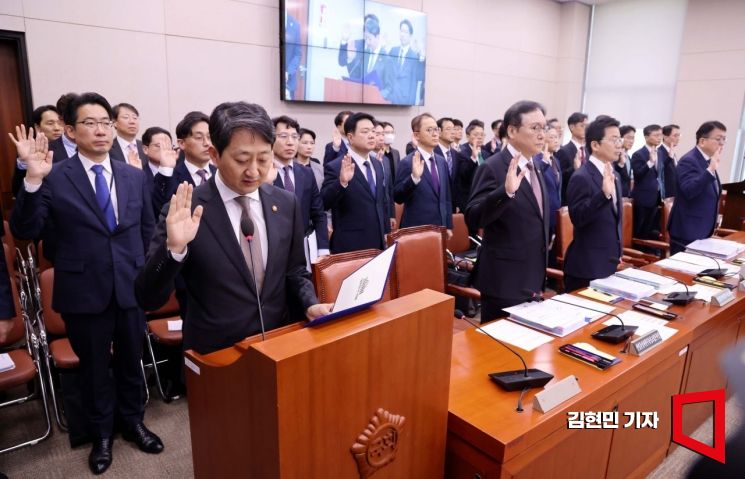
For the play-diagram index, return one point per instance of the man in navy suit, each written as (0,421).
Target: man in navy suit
(100,212)
(622,165)
(354,190)
(157,144)
(408,67)
(549,167)
(299,181)
(596,208)
(422,183)
(392,155)
(201,240)
(646,192)
(445,149)
(669,159)
(356,67)
(572,155)
(126,146)
(509,200)
(468,159)
(696,207)
(48,122)
(194,140)
(337,147)
(388,176)
(495,144)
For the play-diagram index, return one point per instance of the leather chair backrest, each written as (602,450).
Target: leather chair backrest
(329,272)
(667,207)
(170,309)
(18,329)
(420,259)
(52,319)
(399,213)
(459,242)
(564,232)
(628,223)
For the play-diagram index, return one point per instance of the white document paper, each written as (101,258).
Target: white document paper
(367,284)
(311,250)
(516,335)
(623,287)
(175,324)
(682,266)
(556,317)
(702,291)
(6,364)
(641,276)
(645,324)
(718,247)
(586,303)
(705,262)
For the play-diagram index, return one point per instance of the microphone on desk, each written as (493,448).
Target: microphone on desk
(525,378)
(679,297)
(715,273)
(247,229)
(613,334)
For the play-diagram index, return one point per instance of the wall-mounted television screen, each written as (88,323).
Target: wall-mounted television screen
(352,51)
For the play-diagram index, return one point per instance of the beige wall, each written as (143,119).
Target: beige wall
(711,75)
(168,57)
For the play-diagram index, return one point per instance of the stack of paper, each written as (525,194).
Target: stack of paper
(645,323)
(623,287)
(516,335)
(6,364)
(717,247)
(705,262)
(556,317)
(682,266)
(641,276)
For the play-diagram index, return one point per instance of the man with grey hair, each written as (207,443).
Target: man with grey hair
(222,263)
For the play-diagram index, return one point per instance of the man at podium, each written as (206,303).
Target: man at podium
(238,243)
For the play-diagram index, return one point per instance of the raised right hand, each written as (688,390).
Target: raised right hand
(24,142)
(34,152)
(513,179)
(181,224)
(347,170)
(168,156)
(715,158)
(417,165)
(336,138)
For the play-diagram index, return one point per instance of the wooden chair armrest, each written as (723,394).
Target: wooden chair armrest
(722,232)
(554,273)
(628,261)
(661,245)
(465,291)
(635,253)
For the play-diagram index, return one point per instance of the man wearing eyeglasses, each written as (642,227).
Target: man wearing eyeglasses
(100,212)
(595,208)
(193,137)
(696,208)
(299,181)
(509,200)
(422,182)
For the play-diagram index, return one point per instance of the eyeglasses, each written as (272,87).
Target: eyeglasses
(158,146)
(615,140)
(536,129)
(719,139)
(287,136)
(430,131)
(199,138)
(93,124)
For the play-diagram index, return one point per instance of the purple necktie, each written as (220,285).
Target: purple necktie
(433,173)
(370,179)
(203,175)
(289,186)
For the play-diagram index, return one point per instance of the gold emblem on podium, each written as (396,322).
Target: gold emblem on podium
(376,447)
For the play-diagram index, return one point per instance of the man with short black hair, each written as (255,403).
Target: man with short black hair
(338,146)
(457,133)
(572,155)
(646,192)
(467,160)
(392,154)
(127,147)
(446,151)
(100,213)
(495,144)
(669,159)
(696,208)
(354,191)
(595,208)
(510,203)
(47,122)
(622,165)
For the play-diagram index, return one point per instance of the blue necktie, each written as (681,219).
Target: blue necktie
(449,159)
(103,196)
(370,179)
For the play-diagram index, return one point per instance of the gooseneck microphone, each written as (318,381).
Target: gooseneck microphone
(613,334)
(525,378)
(715,273)
(679,297)
(247,229)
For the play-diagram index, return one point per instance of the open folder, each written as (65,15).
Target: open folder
(362,288)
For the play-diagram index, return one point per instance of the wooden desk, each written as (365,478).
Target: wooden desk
(487,438)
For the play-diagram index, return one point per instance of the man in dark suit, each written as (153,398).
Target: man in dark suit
(389,136)
(408,66)
(622,165)
(696,207)
(194,140)
(445,150)
(356,67)
(100,212)
(549,167)
(292,55)
(422,183)
(354,191)
(509,201)
(201,240)
(126,146)
(388,175)
(572,155)
(669,159)
(595,208)
(495,144)
(467,160)
(157,144)
(457,133)
(338,146)
(646,192)
(299,181)
(48,122)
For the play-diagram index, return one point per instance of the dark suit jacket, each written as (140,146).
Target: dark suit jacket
(565,155)
(463,170)
(354,67)
(553,185)
(487,151)
(117,153)
(57,147)
(91,264)
(668,172)
(513,256)
(696,206)
(596,247)
(165,186)
(423,205)
(223,307)
(360,219)
(646,190)
(311,206)
(624,174)
(292,53)
(393,157)
(405,77)
(330,155)
(390,178)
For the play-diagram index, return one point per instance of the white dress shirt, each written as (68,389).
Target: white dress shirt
(427,164)
(360,162)
(601,168)
(124,145)
(70,146)
(281,171)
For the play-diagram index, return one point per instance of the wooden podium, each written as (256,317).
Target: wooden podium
(300,403)
(345,91)
(734,206)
